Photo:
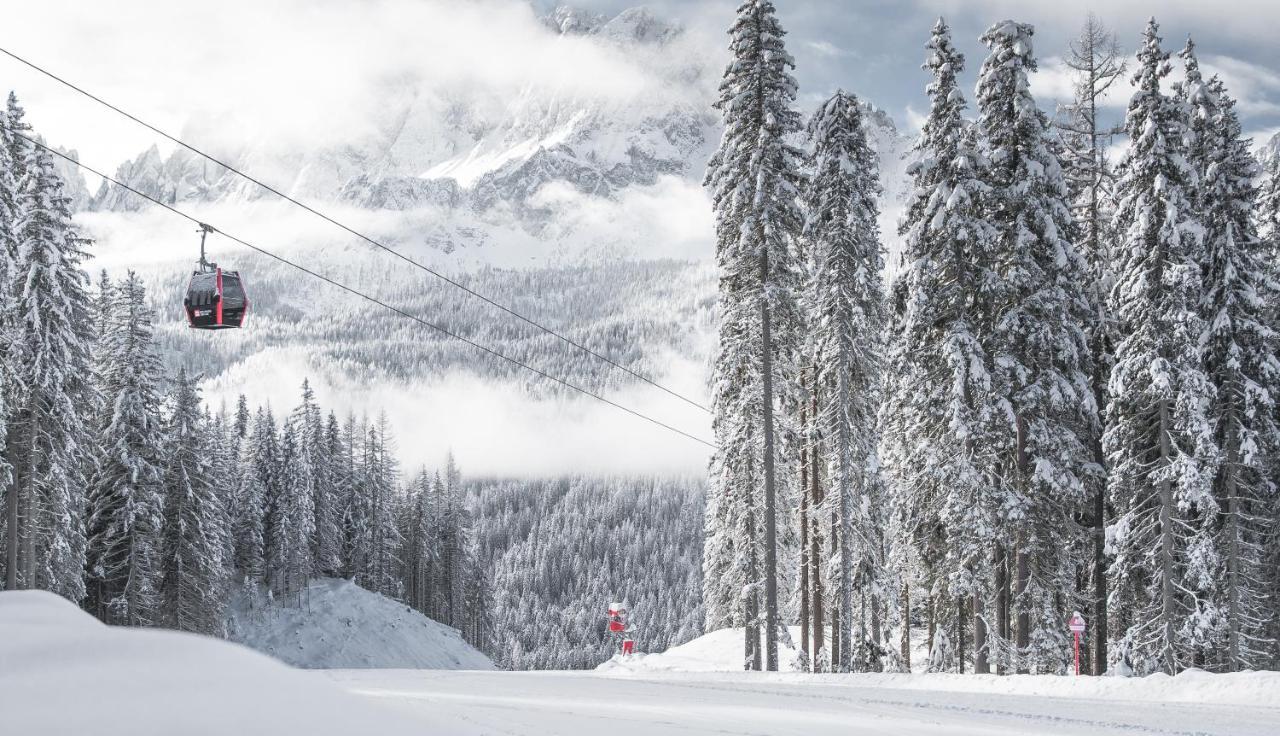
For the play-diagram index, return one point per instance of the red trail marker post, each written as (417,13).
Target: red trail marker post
(1076,624)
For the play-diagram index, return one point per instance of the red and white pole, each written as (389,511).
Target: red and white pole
(1076,624)
(1077,633)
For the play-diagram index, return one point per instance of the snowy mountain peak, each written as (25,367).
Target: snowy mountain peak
(633,25)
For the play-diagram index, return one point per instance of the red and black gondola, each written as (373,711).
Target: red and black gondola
(216,299)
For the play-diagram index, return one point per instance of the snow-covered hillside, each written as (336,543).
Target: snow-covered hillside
(336,623)
(62,672)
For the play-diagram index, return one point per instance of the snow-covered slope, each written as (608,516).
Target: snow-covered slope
(717,651)
(62,672)
(721,652)
(339,624)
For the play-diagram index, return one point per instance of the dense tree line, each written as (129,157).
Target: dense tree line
(561,550)
(1065,400)
(124,492)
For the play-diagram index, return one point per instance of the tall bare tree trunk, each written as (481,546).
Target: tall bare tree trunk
(770,500)
(751,605)
(960,606)
(12,531)
(844,489)
(1098,62)
(837,615)
(804,546)
(1002,603)
(906,625)
(1098,626)
(1022,561)
(981,665)
(1167,602)
(815,539)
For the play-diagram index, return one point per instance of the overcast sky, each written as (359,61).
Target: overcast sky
(875,47)
(304,67)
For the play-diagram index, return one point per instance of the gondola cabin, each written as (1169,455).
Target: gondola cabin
(216,300)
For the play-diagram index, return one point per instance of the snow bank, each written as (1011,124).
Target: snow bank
(721,652)
(338,624)
(718,651)
(63,672)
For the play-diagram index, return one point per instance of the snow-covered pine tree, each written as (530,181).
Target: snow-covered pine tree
(840,229)
(1268,216)
(1240,359)
(1159,437)
(941,412)
(249,502)
(126,494)
(240,425)
(194,584)
(315,474)
(50,333)
(381,477)
(1097,62)
(9,538)
(356,536)
(1041,318)
(290,563)
(753,179)
(419,546)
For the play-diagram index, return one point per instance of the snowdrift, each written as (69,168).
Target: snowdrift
(718,651)
(338,624)
(721,652)
(64,672)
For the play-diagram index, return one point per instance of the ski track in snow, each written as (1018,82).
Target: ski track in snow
(537,703)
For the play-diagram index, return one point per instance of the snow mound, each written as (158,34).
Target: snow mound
(64,672)
(721,652)
(338,624)
(718,651)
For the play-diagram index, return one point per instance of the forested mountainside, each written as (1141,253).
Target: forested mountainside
(636,313)
(561,550)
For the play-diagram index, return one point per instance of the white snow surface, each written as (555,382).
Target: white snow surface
(721,652)
(785,704)
(338,624)
(64,672)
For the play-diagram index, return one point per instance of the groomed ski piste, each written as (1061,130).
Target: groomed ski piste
(63,672)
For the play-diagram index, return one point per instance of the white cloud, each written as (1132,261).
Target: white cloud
(494,428)
(306,72)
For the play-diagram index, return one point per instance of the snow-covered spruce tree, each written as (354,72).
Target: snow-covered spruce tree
(1097,62)
(381,476)
(315,475)
(240,424)
(1240,359)
(248,505)
(452,543)
(194,584)
(941,411)
(1268,217)
(753,179)
(1159,437)
(1040,345)
(9,506)
(841,231)
(290,564)
(419,552)
(49,337)
(126,494)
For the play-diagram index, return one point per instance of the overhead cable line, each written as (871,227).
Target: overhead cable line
(362,295)
(355,232)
